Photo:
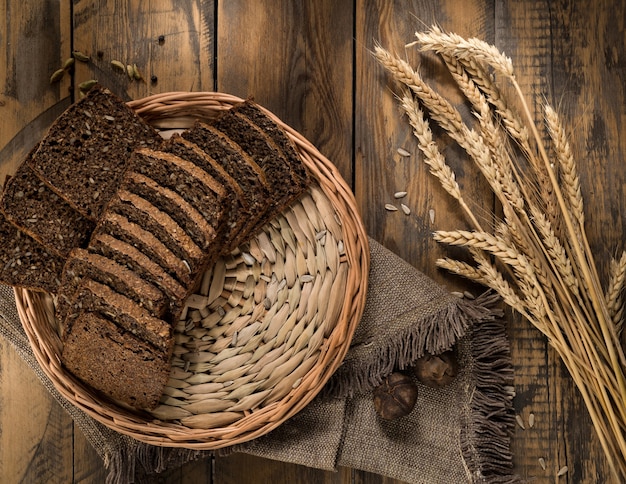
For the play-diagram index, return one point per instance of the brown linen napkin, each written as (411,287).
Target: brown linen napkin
(460,433)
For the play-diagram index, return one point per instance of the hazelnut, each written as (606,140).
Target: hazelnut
(395,397)
(437,370)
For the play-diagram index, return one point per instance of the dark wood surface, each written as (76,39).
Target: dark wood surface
(310,63)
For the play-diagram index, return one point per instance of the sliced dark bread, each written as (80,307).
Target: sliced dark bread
(171,204)
(85,153)
(261,118)
(25,262)
(81,264)
(128,255)
(237,164)
(237,202)
(120,227)
(116,362)
(93,296)
(143,212)
(190,151)
(35,209)
(191,182)
(284,184)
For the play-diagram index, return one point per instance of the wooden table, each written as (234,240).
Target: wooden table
(310,63)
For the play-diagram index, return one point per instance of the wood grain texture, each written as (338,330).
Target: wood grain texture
(130,32)
(570,59)
(241,468)
(526,40)
(381,128)
(36,433)
(311,64)
(33,44)
(295,58)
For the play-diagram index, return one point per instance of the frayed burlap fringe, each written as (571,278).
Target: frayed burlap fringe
(489,422)
(406,315)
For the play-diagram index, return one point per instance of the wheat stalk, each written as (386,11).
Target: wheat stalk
(549,275)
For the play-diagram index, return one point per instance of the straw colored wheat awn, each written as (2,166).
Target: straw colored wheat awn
(536,255)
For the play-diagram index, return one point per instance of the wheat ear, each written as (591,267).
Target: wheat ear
(438,41)
(432,156)
(565,159)
(614,297)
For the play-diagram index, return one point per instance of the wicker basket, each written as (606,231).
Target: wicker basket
(266,330)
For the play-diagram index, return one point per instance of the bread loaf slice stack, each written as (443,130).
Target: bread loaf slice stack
(137,221)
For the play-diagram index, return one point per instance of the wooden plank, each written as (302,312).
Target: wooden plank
(33,46)
(523,34)
(588,87)
(371,478)
(239,468)
(36,433)
(171,40)
(381,129)
(88,466)
(195,472)
(295,58)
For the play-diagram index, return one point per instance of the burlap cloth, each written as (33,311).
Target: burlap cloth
(460,433)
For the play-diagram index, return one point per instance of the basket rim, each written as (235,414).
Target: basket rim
(180,107)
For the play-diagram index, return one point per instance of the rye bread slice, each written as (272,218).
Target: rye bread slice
(134,205)
(26,263)
(34,208)
(188,150)
(93,296)
(128,255)
(120,227)
(260,117)
(82,263)
(237,201)
(191,182)
(284,185)
(169,203)
(85,153)
(116,362)
(240,166)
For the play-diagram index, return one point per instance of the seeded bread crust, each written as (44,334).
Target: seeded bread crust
(184,148)
(240,166)
(32,207)
(116,362)
(168,203)
(81,264)
(85,153)
(192,183)
(143,265)
(284,185)
(146,214)
(236,200)
(25,262)
(120,227)
(259,116)
(93,296)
